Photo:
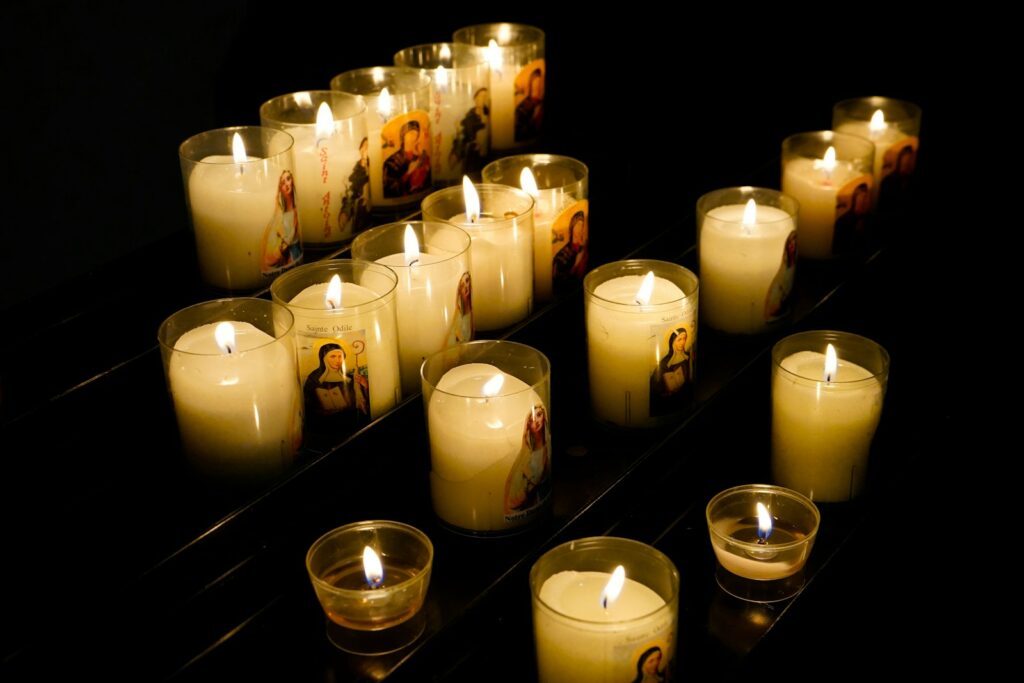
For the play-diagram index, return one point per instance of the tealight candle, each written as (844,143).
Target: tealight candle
(490,435)
(499,219)
(434,293)
(230,368)
(641,318)
(604,609)
(347,339)
(827,391)
(764,534)
(748,247)
(332,163)
(515,54)
(371,577)
(241,198)
(561,217)
(830,175)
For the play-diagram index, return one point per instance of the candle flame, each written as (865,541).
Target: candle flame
(614,587)
(831,363)
(324,121)
(412,246)
(384,103)
(472,200)
(372,568)
(493,55)
(504,34)
(303,99)
(332,299)
(493,385)
(764,523)
(446,53)
(238,149)
(528,183)
(750,213)
(441,76)
(377,73)
(878,123)
(827,164)
(224,334)
(643,295)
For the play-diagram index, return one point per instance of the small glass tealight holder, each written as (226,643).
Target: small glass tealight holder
(371,579)
(762,536)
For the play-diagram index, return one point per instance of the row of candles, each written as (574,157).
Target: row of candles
(343,340)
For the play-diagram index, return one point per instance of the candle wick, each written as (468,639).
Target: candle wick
(413,262)
(331,304)
(604,602)
(762,541)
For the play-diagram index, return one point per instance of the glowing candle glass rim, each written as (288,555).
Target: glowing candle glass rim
(290,109)
(442,205)
(399,80)
(899,113)
(762,196)
(643,563)
(506,170)
(850,348)
(743,499)
(464,57)
(262,144)
(351,271)
(519,360)
(681,276)
(268,316)
(814,145)
(481,34)
(388,238)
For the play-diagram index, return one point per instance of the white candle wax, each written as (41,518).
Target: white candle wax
(372,338)
(628,345)
(322,167)
(746,271)
(581,640)
(503,110)
(238,222)
(767,562)
(501,266)
(817,191)
(239,413)
(822,431)
(426,299)
(883,139)
(488,470)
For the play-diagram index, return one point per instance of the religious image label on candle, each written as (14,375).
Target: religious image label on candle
(405,142)
(672,379)
(337,375)
(570,232)
(529,101)
(853,203)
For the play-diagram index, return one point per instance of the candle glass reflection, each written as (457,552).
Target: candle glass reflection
(240,193)
(489,423)
(585,633)
(332,163)
(230,370)
(561,217)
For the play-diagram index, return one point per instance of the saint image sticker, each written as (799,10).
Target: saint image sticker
(652,658)
(462,322)
(570,234)
(671,385)
(528,100)
(405,141)
(335,378)
(853,203)
(528,483)
(470,137)
(280,248)
(777,299)
(355,205)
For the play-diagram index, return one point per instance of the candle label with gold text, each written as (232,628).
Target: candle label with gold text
(528,484)
(853,203)
(462,328)
(897,169)
(280,248)
(570,233)
(528,100)
(354,212)
(405,141)
(776,301)
(674,346)
(335,375)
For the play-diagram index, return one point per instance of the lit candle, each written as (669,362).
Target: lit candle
(641,340)
(243,207)
(501,228)
(829,174)
(747,258)
(347,339)
(234,390)
(825,410)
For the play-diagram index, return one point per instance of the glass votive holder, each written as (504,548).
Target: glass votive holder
(398,124)
(460,106)
(230,370)
(747,257)
(371,579)
(240,193)
(487,408)
(332,162)
(347,339)
(830,175)
(434,293)
(641,318)
(502,252)
(515,53)
(762,536)
(585,630)
(561,216)
(893,126)
(825,411)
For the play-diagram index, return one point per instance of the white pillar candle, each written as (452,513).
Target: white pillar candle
(580,639)
(239,412)
(883,136)
(746,266)
(822,429)
(489,449)
(641,346)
